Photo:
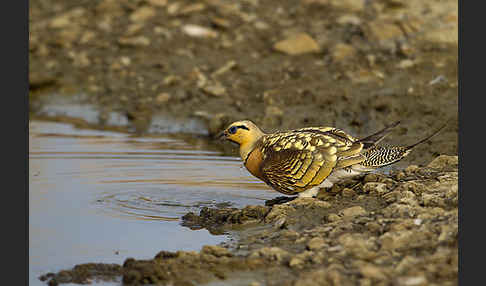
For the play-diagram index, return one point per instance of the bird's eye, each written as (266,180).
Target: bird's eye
(232,130)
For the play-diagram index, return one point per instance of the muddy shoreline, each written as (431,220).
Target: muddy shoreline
(400,229)
(353,64)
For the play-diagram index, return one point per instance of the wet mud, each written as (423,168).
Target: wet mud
(400,229)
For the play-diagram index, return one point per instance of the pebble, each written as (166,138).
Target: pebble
(225,68)
(371,271)
(296,262)
(405,64)
(385,33)
(343,52)
(134,41)
(375,188)
(333,217)
(270,253)
(412,281)
(316,243)
(215,250)
(297,44)
(162,98)
(199,31)
(349,19)
(353,211)
(158,3)
(444,161)
(142,14)
(214,89)
(348,193)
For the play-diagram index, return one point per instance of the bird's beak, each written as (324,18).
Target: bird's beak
(222,135)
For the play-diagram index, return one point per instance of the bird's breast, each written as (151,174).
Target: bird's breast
(253,163)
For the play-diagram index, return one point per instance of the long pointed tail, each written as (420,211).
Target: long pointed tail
(375,138)
(428,137)
(380,156)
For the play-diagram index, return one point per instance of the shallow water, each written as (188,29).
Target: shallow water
(100,196)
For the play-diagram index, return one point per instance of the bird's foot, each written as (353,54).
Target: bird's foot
(310,193)
(279,200)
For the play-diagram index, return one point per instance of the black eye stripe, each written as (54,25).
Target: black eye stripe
(243,127)
(232,129)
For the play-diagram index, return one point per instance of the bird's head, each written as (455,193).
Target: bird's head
(243,133)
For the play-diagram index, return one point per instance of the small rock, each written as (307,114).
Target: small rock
(87,37)
(361,76)
(66,19)
(375,188)
(411,169)
(174,8)
(333,217)
(371,178)
(191,8)
(348,193)
(80,59)
(215,250)
(353,211)
(225,68)
(403,240)
(171,80)
(343,52)
(370,271)
(446,31)
(277,212)
(444,161)
(270,253)
(412,281)
(358,246)
(134,28)
(348,5)
(297,44)
(158,3)
(373,227)
(349,19)
(220,22)
(385,33)
(296,262)
(405,64)
(162,98)
(407,49)
(134,41)
(143,14)
(261,25)
(308,202)
(126,61)
(214,89)
(438,79)
(316,243)
(199,31)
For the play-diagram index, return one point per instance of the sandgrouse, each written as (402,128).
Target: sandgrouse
(303,160)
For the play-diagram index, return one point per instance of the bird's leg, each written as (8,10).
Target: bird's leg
(310,193)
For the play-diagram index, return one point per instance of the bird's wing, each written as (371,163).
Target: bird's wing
(297,160)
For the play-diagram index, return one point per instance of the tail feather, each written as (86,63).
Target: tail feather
(380,156)
(428,137)
(375,138)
